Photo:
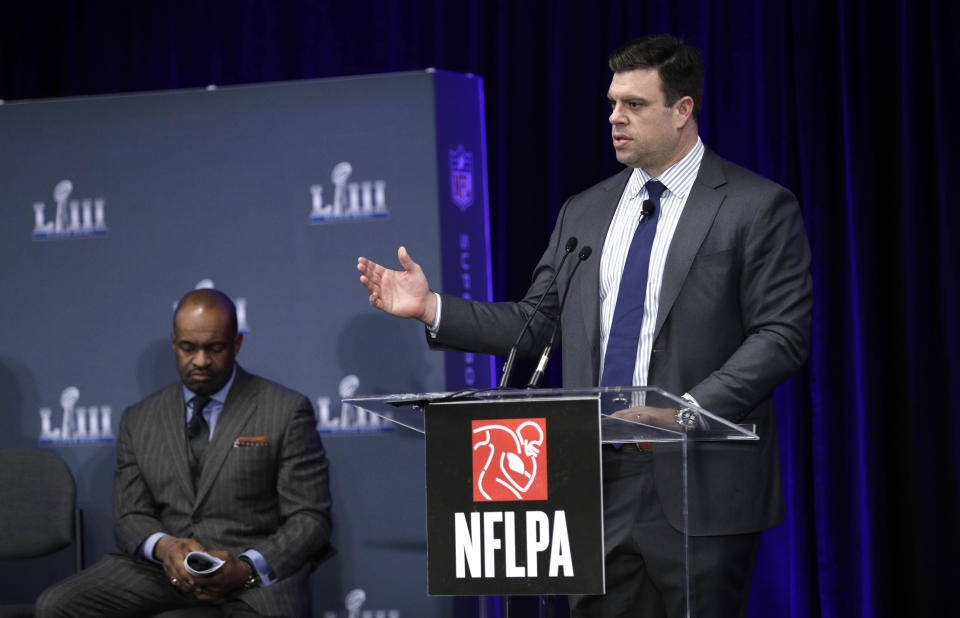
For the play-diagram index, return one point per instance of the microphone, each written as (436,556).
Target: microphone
(537,376)
(512,355)
(648,208)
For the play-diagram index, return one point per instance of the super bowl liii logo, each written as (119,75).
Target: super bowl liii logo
(353,604)
(366,199)
(71,218)
(349,418)
(76,424)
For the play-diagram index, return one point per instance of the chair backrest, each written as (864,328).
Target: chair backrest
(38,498)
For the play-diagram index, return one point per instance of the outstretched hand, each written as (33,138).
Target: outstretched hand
(405,294)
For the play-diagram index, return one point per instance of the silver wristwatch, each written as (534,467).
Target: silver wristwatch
(686,418)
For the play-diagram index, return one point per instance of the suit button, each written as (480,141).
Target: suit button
(195,519)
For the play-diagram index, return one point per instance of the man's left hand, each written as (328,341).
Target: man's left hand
(228,578)
(657,417)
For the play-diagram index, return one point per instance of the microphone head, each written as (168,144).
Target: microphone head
(648,208)
(571,244)
(584,253)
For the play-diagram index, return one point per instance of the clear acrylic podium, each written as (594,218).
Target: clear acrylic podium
(618,425)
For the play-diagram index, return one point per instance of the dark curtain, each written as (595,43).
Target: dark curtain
(848,103)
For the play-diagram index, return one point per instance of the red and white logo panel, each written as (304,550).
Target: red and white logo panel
(509,459)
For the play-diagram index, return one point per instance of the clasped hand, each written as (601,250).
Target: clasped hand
(171,551)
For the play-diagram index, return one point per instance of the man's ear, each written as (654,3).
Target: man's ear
(683,111)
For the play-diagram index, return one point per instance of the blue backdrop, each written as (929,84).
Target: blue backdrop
(847,102)
(268,192)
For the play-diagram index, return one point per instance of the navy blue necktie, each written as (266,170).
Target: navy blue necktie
(620,359)
(198,431)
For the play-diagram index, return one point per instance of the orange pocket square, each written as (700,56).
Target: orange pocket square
(251,441)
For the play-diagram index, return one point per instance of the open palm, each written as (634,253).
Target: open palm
(404,294)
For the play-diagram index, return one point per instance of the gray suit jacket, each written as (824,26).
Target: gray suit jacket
(273,498)
(733,322)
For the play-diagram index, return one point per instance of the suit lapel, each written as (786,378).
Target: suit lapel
(173,429)
(237,409)
(595,235)
(695,222)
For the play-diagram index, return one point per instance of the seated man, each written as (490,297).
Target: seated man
(223,462)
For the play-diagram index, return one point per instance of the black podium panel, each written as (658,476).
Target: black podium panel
(514,500)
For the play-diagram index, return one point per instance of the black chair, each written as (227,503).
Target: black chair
(38,511)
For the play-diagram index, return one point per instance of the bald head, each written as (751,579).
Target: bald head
(205,340)
(208,299)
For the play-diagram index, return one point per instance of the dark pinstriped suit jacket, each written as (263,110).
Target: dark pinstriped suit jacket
(733,322)
(272,498)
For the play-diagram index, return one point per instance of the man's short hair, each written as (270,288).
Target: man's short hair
(679,65)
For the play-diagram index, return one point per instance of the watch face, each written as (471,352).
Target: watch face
(686,418)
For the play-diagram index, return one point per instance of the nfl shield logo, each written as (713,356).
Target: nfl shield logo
(461,177)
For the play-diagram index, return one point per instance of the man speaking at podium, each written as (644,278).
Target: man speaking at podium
(700,285)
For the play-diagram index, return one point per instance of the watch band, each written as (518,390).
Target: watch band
(253,578)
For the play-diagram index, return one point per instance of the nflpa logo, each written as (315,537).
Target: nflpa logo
(510,459)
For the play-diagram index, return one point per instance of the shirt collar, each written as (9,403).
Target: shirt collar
(220,396)
(678,178)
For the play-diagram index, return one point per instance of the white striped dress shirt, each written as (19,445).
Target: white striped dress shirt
(678,180)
